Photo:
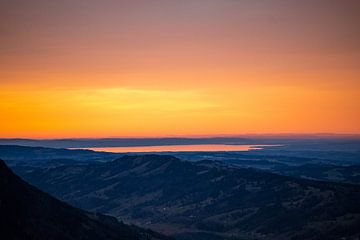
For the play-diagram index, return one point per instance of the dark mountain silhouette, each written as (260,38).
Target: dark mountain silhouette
(207,199)
(28,213)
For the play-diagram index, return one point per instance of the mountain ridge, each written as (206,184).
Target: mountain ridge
(174,196)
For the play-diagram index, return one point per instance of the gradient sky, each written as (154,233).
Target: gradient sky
(86,68)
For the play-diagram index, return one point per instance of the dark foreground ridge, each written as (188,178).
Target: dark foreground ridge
(28,213)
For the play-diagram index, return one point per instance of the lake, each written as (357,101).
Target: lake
(182,148)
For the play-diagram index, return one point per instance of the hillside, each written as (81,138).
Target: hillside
(28,213)
(195,199)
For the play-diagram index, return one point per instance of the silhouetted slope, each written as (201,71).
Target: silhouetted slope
(175,196)
(28,213)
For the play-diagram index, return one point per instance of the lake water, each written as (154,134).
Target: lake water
(181,148)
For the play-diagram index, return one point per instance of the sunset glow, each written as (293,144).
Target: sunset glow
(178,68)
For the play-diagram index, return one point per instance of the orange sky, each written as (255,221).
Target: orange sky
(170,67)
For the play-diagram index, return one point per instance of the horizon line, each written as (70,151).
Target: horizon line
(191,136)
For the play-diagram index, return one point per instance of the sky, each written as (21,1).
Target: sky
(151,68)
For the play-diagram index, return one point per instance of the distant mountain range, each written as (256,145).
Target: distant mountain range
(33,156)
(28,213)
(293,142)
(206,199)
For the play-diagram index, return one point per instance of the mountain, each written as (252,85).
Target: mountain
(207,199)
(28,213)
(323,172)
(40,156)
